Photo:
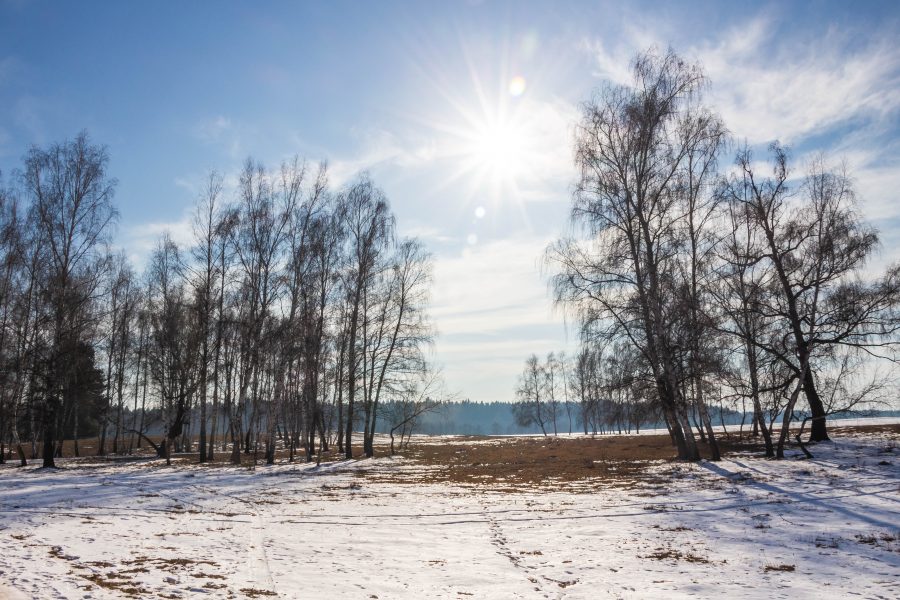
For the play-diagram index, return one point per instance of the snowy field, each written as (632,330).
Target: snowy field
(741,528)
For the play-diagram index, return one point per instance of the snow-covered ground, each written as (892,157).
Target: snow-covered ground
(741,528)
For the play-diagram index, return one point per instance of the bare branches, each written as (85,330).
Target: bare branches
(647,156)
(753,282)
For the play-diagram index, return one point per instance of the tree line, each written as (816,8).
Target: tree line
(595,392)
(695,283)
(294,314)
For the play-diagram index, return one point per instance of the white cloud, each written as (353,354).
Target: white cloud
(213,129)
(769,86)
(490,287)
(613,65)
(380,147)
(188,184)
(550,162)
(139,241)
(837,89)
(492,309)
(426,233)
(220,131)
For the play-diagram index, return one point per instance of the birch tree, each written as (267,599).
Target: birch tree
(71,196)
(635,145)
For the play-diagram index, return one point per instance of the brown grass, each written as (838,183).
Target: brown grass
(510,463)
(533,461)
(514,461)
(673,554)
(617,461)
(256,593)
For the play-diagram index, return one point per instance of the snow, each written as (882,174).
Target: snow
(740,528)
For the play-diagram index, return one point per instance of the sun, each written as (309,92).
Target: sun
(492,126)
(493,143)
(498,151)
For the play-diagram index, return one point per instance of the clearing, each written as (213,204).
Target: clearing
(465,518)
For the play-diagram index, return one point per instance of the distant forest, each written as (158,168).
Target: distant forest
(497,418)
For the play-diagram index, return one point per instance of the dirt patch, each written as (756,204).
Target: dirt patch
(882,540)
(669,553)
(255,593)
(513,463)
(779,568)
(891,428)
(165,563)
(112,582)
(582,463)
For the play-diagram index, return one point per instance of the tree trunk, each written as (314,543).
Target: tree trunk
(704,417)
(786,421)
(818,429)
(759,420)
(351,376)
(676,427)
(49,434)
(75,429)
(203,370)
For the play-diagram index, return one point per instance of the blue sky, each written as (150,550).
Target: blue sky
(462,112)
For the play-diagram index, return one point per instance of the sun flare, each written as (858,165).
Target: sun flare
(498,150)
(496,133)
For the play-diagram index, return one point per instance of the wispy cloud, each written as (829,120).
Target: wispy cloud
(380,148)
(835,90)
(427,233)
(219,131)
(10,67)
(28,117)
(6,146)
(139,241)
(769,86)
(492,309)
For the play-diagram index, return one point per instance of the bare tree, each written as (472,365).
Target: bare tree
(289,302)
(740,292)
(581,383)
(816,246)
(173,350)
(421,393)
(204,279)
(396,348)
(553,381)
(12,284)
(369,228)
(259,242)
(530,408)
(72,200)
(635,147)
(123,299)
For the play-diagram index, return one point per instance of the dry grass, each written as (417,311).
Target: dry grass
(510,463)
(257,593)
(514,461)
(530,462)
(118,579)
(673,554)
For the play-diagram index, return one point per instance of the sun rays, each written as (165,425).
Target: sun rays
(489,126)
